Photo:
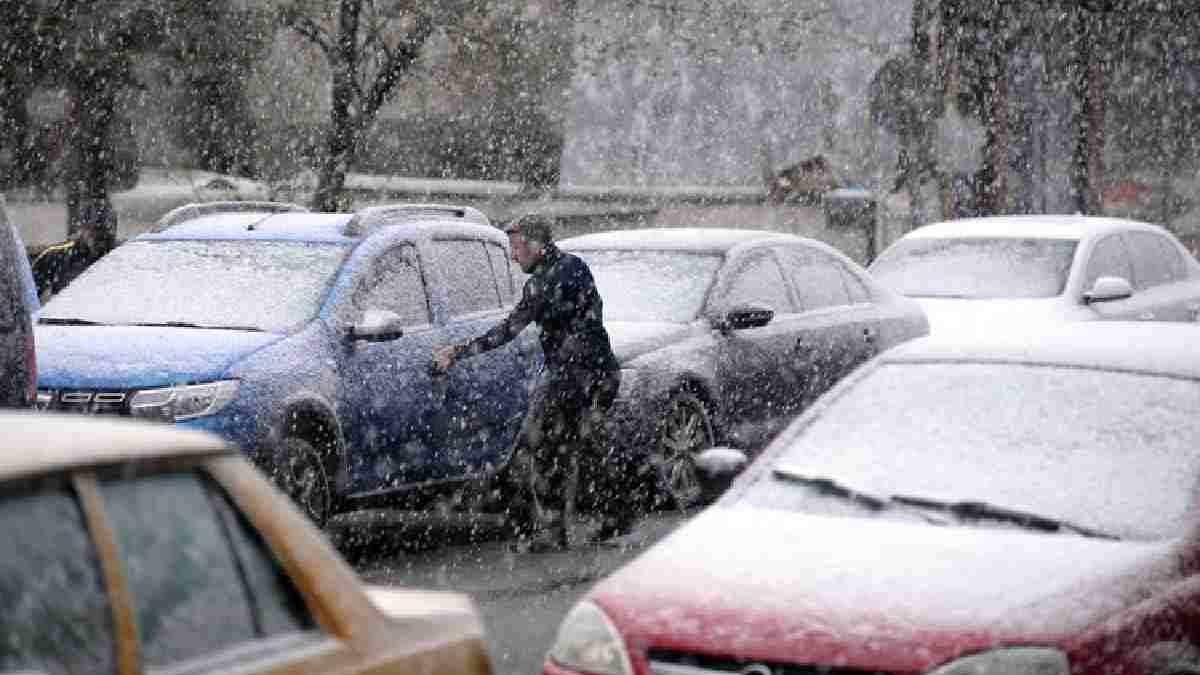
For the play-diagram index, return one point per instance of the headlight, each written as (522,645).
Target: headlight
(1015,661)
(175,404)
(588,642)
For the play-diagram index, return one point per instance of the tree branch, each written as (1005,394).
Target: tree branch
(397,63)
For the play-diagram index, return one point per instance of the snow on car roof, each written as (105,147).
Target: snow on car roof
(302,226)
(38,443)
(1162,348)
(1027,226)
(701,239)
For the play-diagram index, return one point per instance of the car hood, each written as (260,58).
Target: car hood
(130,357)
(967,317)
(868,593)
(631,339)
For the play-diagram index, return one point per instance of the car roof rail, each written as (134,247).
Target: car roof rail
(373,217)
(198,209)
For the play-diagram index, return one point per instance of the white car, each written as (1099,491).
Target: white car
(1001,272)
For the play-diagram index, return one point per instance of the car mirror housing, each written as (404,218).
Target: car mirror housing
(746,316)
(1108,288)
(377,325)
(716,468)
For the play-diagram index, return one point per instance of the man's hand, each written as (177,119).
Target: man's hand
(443,357)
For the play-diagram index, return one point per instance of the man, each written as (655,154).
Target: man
(59,264)
(564,426)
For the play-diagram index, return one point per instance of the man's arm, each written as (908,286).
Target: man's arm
(528,309)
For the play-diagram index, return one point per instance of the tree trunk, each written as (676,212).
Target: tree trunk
(1091,88)
(90,113)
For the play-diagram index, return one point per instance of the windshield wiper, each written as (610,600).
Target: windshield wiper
(185,324)
(977,510)
(832,487)
(55,321)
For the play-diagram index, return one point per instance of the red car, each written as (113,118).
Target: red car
(1023,504)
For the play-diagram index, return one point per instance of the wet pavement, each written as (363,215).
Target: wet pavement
(521,595)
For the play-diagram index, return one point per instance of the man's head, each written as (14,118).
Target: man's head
(529,235)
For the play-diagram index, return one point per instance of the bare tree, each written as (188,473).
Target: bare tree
(370,46)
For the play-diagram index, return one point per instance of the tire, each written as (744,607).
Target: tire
(683,431)
(304,476)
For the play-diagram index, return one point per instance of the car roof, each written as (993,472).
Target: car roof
(244,222)
(1029,226)
(695,239)
(301,226)
(1161,348)
(39,443)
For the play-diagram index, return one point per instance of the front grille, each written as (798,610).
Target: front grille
(85,401)
(664,662)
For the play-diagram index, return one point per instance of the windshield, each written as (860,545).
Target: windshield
(264,285)
(652,285)
(1113,452)
(976,267)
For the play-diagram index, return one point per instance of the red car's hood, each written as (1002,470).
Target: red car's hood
(865,593)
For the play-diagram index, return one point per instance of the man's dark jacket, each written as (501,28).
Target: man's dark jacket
(561,297)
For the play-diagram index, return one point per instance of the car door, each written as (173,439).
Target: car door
(486,394)
(838,323)
(1109,257)
(754,365)
(1161,278)
(389,399)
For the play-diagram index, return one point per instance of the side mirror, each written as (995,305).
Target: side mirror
(377,325)
(1108,288)
(716,468)
(746,316)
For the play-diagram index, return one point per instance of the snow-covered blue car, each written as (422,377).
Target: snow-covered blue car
(305,338)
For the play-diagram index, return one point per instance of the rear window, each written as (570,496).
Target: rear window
(971,267)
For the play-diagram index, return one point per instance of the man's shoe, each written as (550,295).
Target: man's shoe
(548,540)
(612,528)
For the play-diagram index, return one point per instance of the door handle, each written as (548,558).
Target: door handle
(802,347)
(868,336)
(1146,316)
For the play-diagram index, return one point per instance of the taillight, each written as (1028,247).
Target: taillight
(30,369)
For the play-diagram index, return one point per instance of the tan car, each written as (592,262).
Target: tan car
(132,547)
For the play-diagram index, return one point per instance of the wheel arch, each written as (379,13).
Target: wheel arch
(310,417)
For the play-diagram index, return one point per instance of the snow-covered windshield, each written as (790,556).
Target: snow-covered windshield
(652,285)
(1113,452)
(265,285)
(970,267)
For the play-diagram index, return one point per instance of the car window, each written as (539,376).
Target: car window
(278,605)
(54,614)
(502,269)
(465,270)
(1109,258)
(976,267)
(816,278)
(274,286)
(394,283)
(1155,260)
(645,285)
(196,590)
(758,280)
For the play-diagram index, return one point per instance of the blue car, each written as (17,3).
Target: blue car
(306,339)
